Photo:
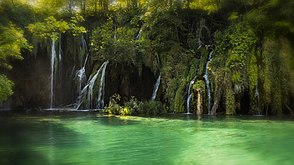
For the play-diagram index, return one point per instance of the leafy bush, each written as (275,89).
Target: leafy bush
(150,108)
(133,106)
(5,88)
(113,106)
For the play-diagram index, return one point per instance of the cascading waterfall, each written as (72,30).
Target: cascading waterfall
(88,89)
(257,94)
(189,95)
(60,52)
(91,87)
(100,100)
(139,34)
(155,88)
(202,27)
(52,76)
(81,73)
(156,85)
(115,31)
(207,83)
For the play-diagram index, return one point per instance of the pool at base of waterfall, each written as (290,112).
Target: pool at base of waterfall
(175,139)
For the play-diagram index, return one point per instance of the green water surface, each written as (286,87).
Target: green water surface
(93,139)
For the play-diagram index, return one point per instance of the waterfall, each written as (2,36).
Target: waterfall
(81,96)
(100,100)
(202,26)
(91,86)
(59,51)
(81,73)
(115,31)
(257,94)
(139,34)
(206,78)
(87,91)
(189,95)
(155,88)
(52,76)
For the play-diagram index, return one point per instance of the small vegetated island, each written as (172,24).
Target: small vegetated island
(148,56)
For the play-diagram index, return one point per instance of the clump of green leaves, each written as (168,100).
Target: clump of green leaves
(151,108)
(132,107)
(12,42)
(5,88)
(113,107)
(199,85)
(51,27)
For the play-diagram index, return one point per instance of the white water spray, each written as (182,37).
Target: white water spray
(207,82)
(52,77)
(190,95)
(87,91)
(81,73)
(155,88)
(100,100)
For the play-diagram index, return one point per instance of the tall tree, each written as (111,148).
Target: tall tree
(12,42)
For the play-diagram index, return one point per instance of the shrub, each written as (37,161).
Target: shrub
(150,108)
(133,106)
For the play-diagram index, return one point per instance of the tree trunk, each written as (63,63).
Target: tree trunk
(105,6)
(199,101)
(217,99)
(188,4)
(289,109)
(95,6)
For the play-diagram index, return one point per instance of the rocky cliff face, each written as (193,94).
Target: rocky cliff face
(32,78)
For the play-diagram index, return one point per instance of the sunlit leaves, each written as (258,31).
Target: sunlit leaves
(11,43)
(206,5)
(113,42)
(5,88)
(51,28)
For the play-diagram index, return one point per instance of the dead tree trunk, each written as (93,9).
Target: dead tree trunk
(217,99)
(199,101)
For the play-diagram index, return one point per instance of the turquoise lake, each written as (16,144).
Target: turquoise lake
(88,138)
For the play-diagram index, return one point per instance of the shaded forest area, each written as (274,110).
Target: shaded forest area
(211,56)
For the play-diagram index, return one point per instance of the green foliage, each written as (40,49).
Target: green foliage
(151,108)
(12,42)
(252,72)
(230,101)
(5,88)
(206,5)
(19,13)
(199,85)
(51,28)
(116,44)
(133,107)
(113,107)
(179,101)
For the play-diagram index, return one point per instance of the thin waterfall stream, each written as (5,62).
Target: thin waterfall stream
(100,100)
(156,85)
(257,93)
(155,88)
(189,95)
(87,91)
(81,73)
(207,82)
(52,76)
